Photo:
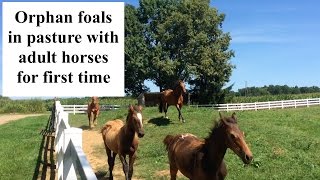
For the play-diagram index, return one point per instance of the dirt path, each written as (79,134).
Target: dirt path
(94,149)
(5,118)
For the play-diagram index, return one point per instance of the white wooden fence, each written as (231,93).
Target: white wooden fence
(71,160)
(83,108)
(263,105)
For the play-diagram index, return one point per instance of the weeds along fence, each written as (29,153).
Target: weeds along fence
(263,105)
(83,108)
(71,160)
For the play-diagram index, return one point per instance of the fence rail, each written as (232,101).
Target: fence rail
(83,108)
(71,160)
(263,105)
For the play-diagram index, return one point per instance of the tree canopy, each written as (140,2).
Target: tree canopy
(183,39)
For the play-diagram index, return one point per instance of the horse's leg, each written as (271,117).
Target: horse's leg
(110,162)
(89,116)
(166,106)
(125,166)
(96,117)
(180,114)
(132,158)
(173,171)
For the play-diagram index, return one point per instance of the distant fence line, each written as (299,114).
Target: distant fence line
(220,107)
(71,160)
(263,105)
(83,108)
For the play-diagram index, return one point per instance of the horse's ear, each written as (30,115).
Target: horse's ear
(221,117)
(131,108)
(234,116)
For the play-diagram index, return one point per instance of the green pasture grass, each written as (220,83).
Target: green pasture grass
(19,147)
(285,142)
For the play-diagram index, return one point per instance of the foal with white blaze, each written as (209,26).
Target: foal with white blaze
(123,139)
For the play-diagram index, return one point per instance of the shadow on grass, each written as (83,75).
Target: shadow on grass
(46,160)
(160,121)
(102,175)
(85,127)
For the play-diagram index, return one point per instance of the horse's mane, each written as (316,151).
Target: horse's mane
(176,84)
(217,125)
(136,109)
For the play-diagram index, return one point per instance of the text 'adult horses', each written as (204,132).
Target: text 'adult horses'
(173,97)
(123,139)
(93,111)
(200,159)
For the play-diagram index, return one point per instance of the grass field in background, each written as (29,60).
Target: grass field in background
(252,99)
(19,147)
(285,142)
(39,106)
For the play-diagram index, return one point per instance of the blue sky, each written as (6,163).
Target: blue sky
(275,42)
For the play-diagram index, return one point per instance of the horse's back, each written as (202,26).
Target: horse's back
(182,150)
(110,133)
(169,97)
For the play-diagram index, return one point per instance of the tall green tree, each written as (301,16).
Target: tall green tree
(185,41)
(162,68)
(135,53)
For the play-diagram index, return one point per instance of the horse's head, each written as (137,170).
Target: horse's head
(95,100)
(235,138)
(181,86)
(135,118)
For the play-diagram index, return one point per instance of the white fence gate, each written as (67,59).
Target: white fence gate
(71,160)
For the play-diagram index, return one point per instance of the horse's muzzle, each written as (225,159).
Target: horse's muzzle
(247,158)
(140,134)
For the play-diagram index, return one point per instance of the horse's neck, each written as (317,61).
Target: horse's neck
(214,151)
(177,92)
(129,131)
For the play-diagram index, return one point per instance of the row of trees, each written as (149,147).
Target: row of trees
(167,40)
(276,90)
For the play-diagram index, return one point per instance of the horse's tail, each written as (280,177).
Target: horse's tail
(168,140)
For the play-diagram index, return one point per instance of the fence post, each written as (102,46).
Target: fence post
(62,116)
(74,109)
(73,135)
(58,109)
(295,103)
(269,105)
(307,102)
(255,106)
(282,105)
(241,107)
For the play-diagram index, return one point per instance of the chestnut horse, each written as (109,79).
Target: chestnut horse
(93,111)
(173,97)
(122,139)
(203,159)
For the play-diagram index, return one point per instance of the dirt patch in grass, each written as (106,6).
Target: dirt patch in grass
(166,173)
(5,118)
(93,147)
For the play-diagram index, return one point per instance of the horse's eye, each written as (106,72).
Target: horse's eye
(232,136)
